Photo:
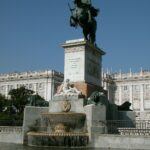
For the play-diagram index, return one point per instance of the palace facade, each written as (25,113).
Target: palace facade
(132,87)
(43,83)
(121,87)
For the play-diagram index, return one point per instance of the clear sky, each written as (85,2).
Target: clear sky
(32,31)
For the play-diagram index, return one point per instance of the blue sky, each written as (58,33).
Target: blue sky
(32,31)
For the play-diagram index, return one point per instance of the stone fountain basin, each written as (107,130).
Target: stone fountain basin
(71,120)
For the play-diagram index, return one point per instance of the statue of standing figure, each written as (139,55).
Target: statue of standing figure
(84,15)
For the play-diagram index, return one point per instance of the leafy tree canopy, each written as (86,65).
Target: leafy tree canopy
(13,107)
(3,102)
(19,97)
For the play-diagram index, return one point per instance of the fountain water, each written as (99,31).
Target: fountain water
(64,128)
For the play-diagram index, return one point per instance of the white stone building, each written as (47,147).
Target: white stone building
(42,82)
(132,87)
(121,87)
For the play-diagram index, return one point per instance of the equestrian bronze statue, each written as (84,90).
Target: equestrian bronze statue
(83,15)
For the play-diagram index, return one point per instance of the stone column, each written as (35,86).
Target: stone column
(45,90)
(96,119)
(120,95)
(48,89)
(34,87)
(142,97)
(131,95)
(6,91)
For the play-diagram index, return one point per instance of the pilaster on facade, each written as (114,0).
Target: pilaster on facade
(120,94)
(6,91)
(139,89)
(131,95)
(35,87)
(142,97)
(46,89)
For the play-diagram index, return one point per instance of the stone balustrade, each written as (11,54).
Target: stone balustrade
(134,131)
(11,134)
(138,75)
(29,74)
(9,129)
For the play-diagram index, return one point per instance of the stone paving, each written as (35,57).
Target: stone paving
(7,146)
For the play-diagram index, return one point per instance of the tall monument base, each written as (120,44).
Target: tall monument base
(86,88)
(83,63)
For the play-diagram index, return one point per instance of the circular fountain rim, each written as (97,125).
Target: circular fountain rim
(63,113)
(57,134)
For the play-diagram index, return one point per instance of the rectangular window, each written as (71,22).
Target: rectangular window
(125,87)
(146,86)
(136,87)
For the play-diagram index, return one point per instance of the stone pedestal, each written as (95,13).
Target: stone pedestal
(96,118)
(76,104)
(83,63)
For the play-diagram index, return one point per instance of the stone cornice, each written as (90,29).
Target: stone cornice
(79,43)
(30,75)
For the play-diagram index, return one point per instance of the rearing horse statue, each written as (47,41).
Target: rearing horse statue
(83,15)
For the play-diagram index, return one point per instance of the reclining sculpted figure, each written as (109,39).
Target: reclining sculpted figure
(67,89)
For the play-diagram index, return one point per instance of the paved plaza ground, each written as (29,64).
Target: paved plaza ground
(7,146)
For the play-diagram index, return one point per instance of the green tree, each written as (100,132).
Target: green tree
(19,98)
(3,102)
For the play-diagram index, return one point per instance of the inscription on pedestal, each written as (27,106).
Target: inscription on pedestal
(74,65)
